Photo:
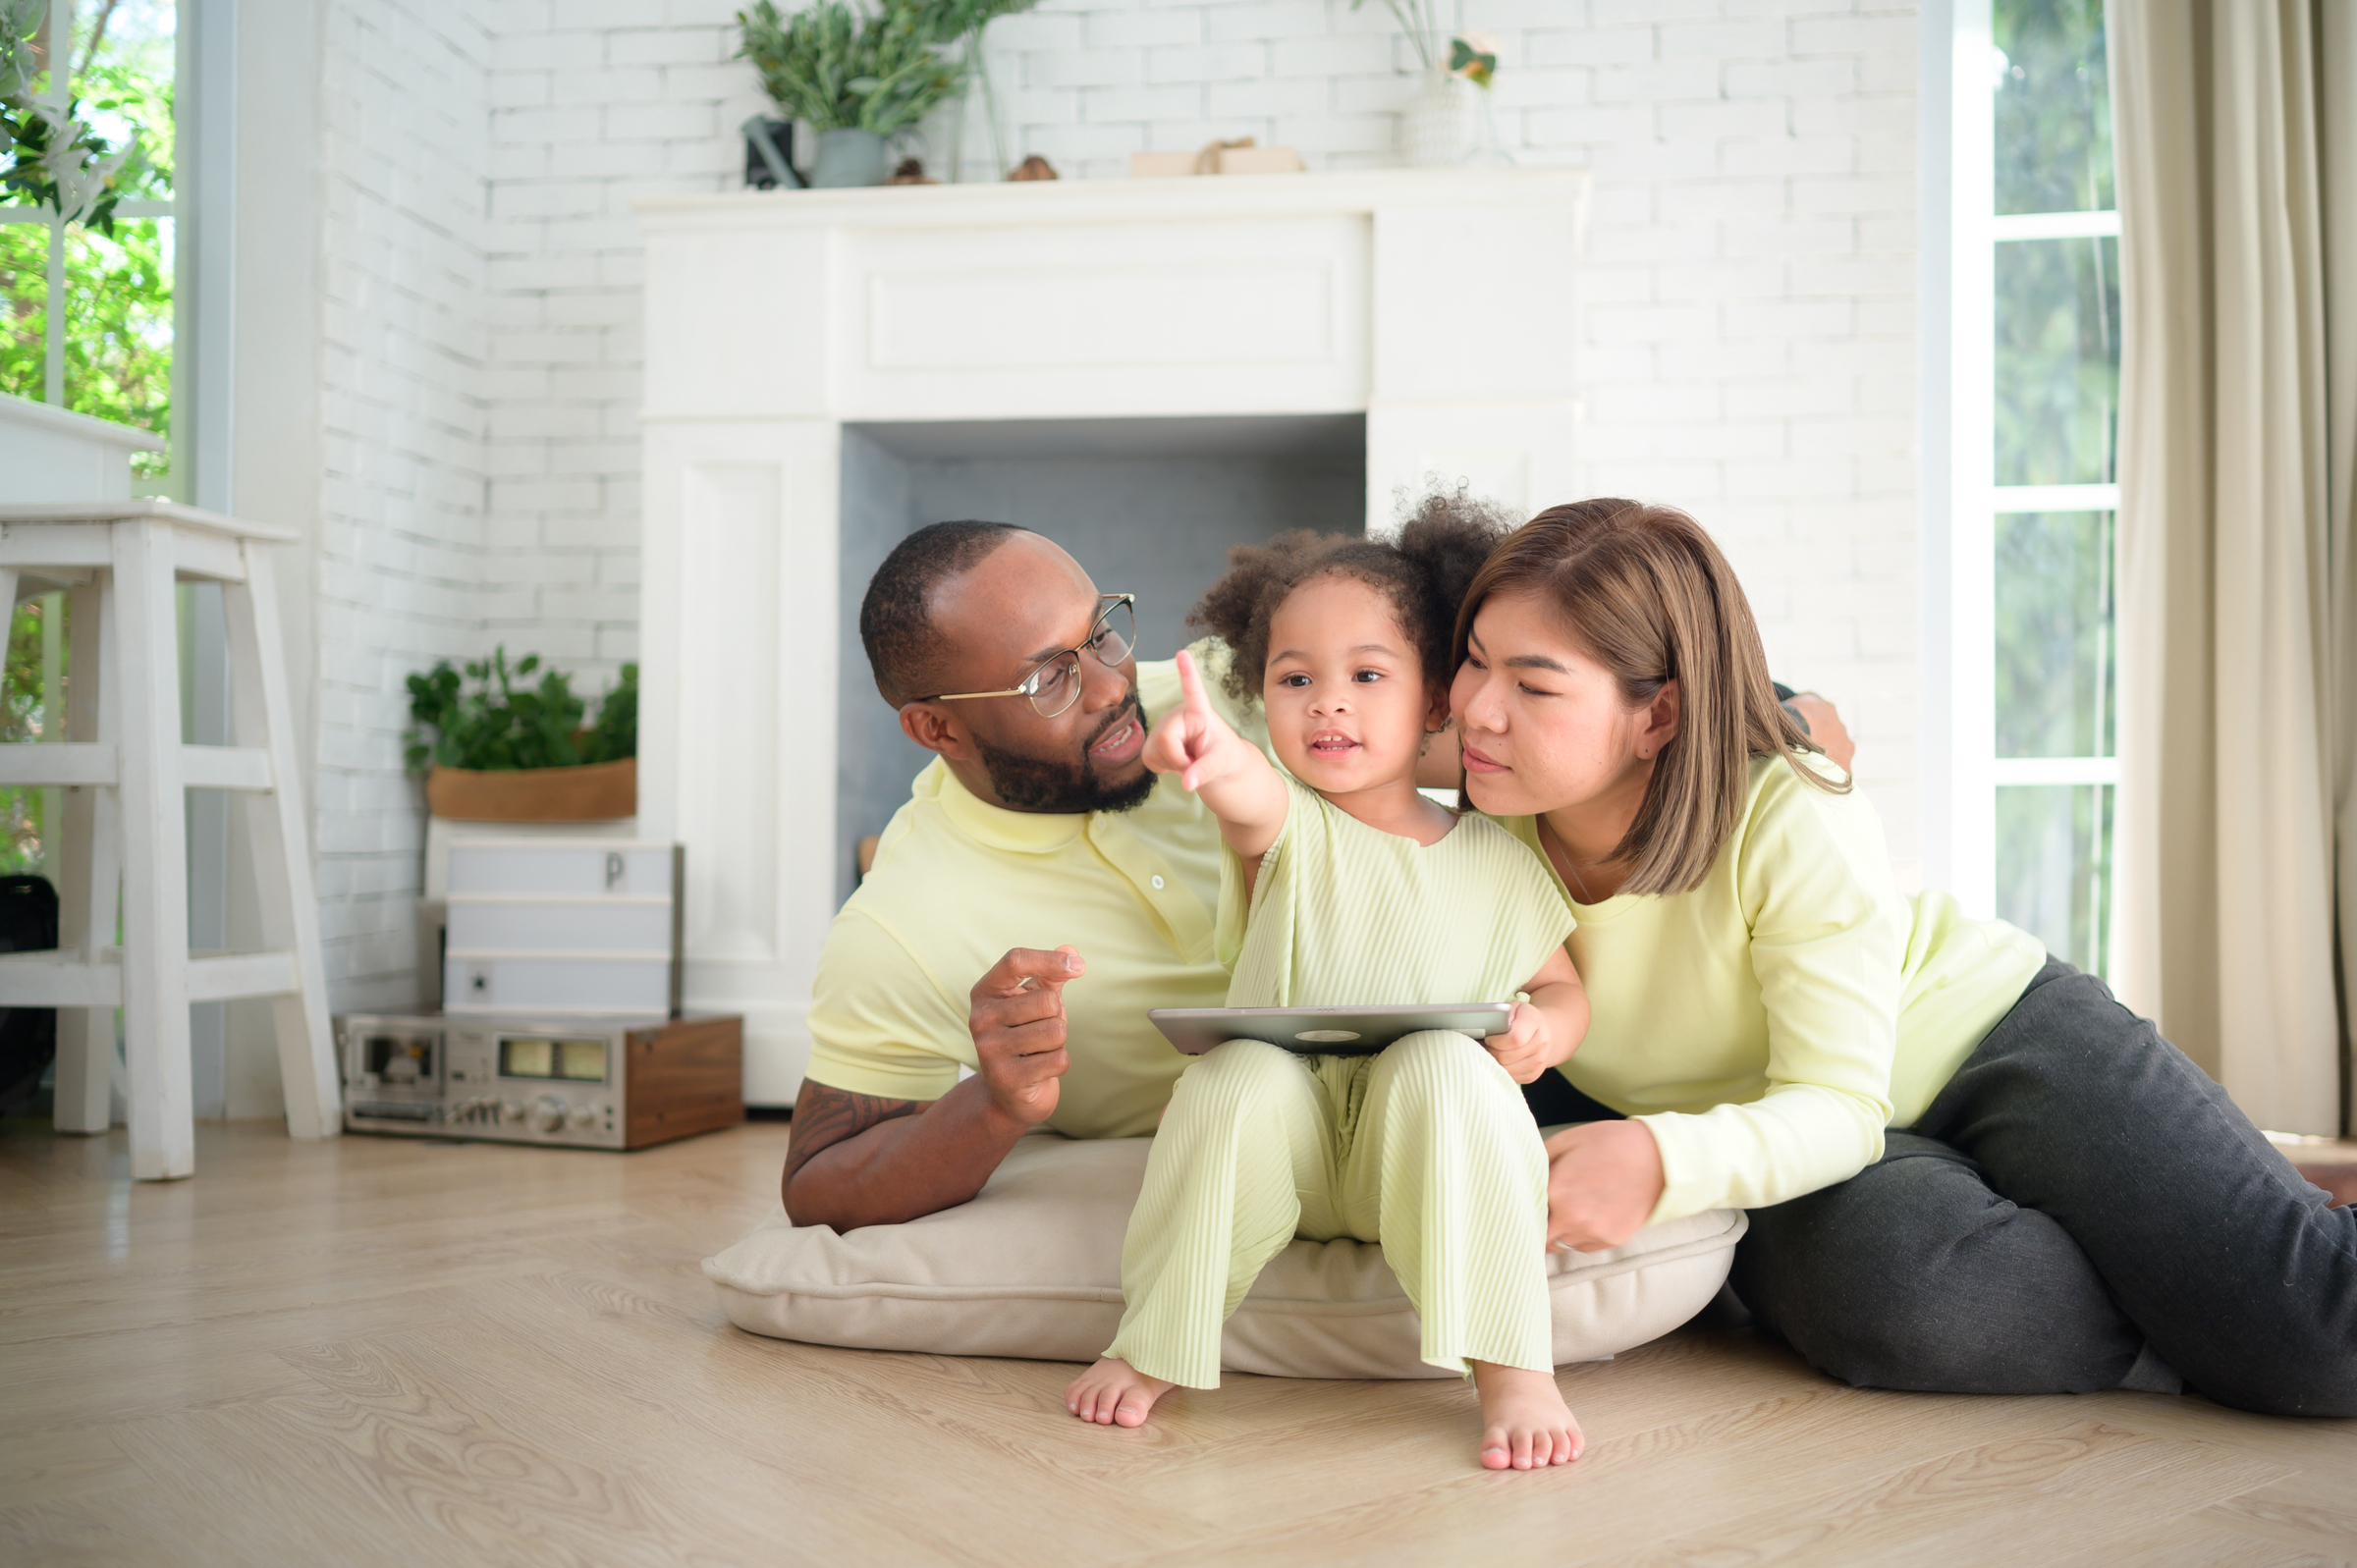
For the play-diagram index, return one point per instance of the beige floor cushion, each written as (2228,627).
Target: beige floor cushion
(1032,1267)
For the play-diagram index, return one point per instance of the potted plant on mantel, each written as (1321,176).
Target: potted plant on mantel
(498,754)
(863,74)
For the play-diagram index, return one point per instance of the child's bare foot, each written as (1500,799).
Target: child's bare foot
(1524,1422)
(1113,1393)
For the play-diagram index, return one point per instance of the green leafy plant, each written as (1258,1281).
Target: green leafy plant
(847,68)
(60,163)
(55,158)
(494,727)
(1471,55)
(20,61)
(614,735)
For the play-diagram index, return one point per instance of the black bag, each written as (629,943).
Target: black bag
(28,1035)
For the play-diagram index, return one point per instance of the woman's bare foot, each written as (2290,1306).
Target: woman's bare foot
(1524,1422)
(1113,1393)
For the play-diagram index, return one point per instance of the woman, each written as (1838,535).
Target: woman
(1968,1167)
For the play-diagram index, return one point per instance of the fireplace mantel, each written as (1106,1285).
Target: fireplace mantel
(1438,305)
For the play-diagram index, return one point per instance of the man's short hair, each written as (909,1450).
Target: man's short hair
(896,619)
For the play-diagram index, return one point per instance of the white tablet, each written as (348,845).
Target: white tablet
(1324,1031)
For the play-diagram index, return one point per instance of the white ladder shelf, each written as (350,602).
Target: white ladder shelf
(126,822)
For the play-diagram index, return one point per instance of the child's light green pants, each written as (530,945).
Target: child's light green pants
(1427,1148)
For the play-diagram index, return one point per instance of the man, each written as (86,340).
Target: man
(1038,852)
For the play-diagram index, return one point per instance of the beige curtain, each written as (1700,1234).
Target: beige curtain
(2235,859)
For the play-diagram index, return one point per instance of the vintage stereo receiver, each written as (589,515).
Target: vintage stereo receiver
(586,1083)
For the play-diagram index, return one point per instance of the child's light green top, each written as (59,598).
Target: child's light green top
(1348,915)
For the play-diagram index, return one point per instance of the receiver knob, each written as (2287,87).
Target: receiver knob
(583,1116)
(512,1110)
(548,1115)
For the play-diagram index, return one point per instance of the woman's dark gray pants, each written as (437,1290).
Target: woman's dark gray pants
(2081,1208)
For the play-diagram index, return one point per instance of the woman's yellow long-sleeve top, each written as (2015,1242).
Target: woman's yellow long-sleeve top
(1769,1024)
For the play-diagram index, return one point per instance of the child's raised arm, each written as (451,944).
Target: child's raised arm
(1240,785)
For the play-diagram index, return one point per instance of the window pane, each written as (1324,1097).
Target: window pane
(24,306)
(32,671)
(124,55)
(2055,654)
(2054,107)
(2053,850)
(119,328)
(2057,361)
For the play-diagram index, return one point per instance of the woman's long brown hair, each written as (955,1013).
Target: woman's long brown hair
(1647,594)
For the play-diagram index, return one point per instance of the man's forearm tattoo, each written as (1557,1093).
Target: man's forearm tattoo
(824,1117)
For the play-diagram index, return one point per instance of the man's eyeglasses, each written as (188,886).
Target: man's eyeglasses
(1054,684)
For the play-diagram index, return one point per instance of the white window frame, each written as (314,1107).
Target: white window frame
(1961,498)
(203,172)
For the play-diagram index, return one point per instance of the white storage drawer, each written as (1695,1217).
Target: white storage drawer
(505,922)
(554,984)
(564,867)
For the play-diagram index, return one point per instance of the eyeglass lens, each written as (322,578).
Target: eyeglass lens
(1058,683)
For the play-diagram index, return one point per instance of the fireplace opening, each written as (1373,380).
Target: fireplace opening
(1148,506)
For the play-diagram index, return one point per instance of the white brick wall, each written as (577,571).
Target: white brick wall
(590,104)
(400,544)
(1748,298)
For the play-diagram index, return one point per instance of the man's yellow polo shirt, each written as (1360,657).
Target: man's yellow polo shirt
(957,883)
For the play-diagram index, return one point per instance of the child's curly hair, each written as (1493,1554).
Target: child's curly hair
(1424,573)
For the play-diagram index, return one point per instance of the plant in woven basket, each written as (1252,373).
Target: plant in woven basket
(493,727)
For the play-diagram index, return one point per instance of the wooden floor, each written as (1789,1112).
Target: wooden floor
(379,1351)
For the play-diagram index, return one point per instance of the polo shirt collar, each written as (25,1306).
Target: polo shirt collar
(1034,833)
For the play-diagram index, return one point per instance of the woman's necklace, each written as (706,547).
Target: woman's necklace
(1563,851)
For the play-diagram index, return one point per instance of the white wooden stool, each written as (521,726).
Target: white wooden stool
(127,826)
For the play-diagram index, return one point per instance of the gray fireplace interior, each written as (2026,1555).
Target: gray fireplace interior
(1148,506)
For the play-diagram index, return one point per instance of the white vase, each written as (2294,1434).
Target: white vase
(1439,126)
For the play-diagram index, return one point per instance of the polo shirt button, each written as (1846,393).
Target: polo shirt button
(1158,885)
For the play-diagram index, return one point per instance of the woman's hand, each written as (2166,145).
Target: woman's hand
(1602,1180)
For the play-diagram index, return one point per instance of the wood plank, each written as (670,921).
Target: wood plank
(60,1464)
(58,762)
(2295,1511)
(217,977)
(2204,1540)
(58,978)
(2029,1499)
(225,768)
(662,1361)
(386,1351)
(261,715)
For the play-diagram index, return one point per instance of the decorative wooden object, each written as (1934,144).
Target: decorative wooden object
(1239,156)
(127,819)
(597,791)
(687,1076)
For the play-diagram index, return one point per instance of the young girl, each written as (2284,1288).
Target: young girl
(1343,886)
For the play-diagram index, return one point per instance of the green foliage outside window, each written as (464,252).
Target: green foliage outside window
(118,272)
(2057,361)
(2054,107)
(24,716)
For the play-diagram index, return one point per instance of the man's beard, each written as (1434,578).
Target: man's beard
(1045,784)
